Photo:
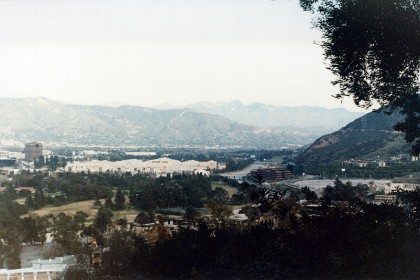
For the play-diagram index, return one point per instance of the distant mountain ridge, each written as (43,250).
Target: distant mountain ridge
(270,116)
(41,119)
(367,137)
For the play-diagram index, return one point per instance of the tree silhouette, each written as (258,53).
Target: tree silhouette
(103,218)
(119,200)
(373,48)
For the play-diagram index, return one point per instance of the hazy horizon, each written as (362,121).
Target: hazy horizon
(147,53)
(186,105)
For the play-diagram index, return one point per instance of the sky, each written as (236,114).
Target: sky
(154,52)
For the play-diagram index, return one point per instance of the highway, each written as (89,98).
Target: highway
(239,174)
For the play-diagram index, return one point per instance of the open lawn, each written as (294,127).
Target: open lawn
(128,214)
(69,209)
(85,206)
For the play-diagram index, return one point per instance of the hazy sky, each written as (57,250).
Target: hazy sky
(163,51)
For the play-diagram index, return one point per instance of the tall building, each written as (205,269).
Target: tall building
(33,150)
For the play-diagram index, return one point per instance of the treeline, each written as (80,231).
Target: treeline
(10,230)
(336,245)
(237,164)
(144,192)
(185,191)
(172,192)
(62,189)
(345,192)
(52,162)
(32,229)
(393,170)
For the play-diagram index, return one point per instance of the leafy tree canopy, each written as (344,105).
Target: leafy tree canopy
(373,47)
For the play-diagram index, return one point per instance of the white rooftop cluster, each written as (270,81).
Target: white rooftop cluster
(41,269)
(159,167)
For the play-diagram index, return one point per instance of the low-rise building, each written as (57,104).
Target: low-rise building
(382,198)
(391,187)
(271,173)
(158,167)
(42,269)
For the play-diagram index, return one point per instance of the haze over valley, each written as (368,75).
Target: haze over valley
(204,124)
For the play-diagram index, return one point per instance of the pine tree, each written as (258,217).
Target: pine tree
(119,200)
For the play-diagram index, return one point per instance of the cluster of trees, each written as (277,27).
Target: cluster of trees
(69,194)
(66,231)
(184,191)
(10,230)
(52,162)
(15,230)
(165,192)
(32,229)
(288,242)
(237,164)
(39,199)
(346,191)
(65,188)
(391,171)
(62,189)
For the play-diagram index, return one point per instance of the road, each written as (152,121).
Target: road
(240,174)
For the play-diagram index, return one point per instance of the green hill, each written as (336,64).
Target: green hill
(367,137)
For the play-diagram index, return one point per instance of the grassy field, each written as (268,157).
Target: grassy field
(230,190)
(85,206)
(68,209)
(128,214)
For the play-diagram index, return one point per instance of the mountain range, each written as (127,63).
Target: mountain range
(56,123)
(230,124)
(271,116)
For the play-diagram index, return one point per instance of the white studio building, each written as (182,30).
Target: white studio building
(158,167)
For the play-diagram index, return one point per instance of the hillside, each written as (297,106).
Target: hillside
(55,123)
(367,137)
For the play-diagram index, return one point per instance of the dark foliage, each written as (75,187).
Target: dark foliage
(363,241)
(179,191)
(237,164)
(393,170)
(373,47)
(358,241)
